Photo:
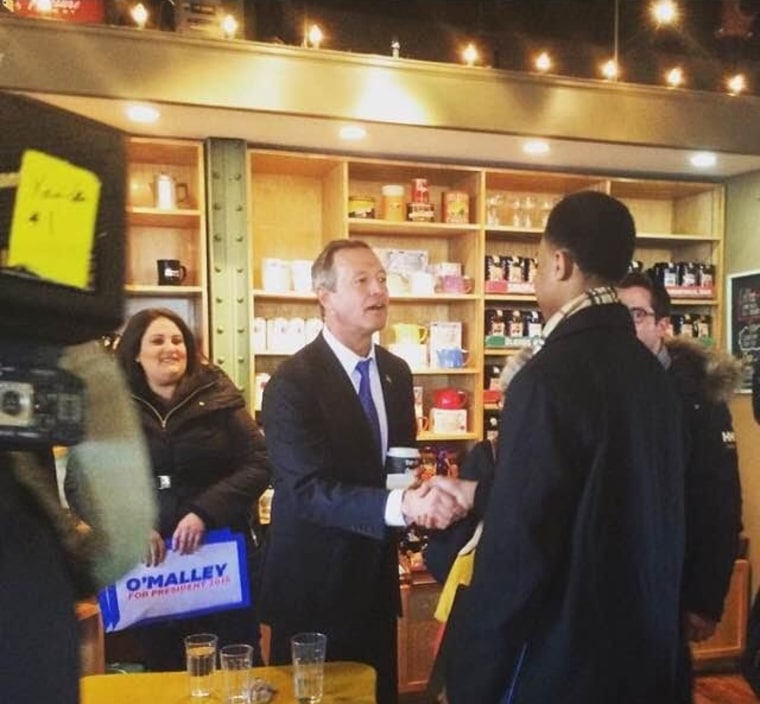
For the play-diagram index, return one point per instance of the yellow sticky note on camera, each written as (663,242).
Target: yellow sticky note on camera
(53,225)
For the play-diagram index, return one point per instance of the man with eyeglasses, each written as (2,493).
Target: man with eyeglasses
(705,381)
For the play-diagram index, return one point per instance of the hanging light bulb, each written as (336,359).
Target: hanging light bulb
(611,70)
(736,84)
(229,26)
(543,62)
(43,7)
(315,36)
(139,15)
(395,48)
(470,54)
(674,78)
(664,12)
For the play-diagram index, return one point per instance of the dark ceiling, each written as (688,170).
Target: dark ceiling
(714,38)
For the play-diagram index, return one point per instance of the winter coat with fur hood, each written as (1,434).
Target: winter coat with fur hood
(706,380)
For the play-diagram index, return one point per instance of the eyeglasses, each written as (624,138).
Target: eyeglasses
(639,315)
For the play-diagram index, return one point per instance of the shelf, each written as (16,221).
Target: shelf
(693,302)
(444,371)
(433,298)
(153,217)
(359,226)
(163,291)
(510,297)
(427,436)
(507,231)
(502,351)
(309,297)
(301,200)
(665,237)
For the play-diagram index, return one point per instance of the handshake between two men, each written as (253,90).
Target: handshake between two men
(438,502)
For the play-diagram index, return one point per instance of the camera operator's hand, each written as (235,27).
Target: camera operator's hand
(188,534)
(156,550)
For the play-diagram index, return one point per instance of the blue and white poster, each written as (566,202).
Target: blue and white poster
(213,578)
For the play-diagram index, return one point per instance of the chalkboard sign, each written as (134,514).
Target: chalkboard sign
(744,322)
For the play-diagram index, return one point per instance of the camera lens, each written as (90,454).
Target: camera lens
(11,403)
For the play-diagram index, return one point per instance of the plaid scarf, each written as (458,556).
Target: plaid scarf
(592,297)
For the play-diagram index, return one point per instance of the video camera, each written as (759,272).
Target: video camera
(62,220)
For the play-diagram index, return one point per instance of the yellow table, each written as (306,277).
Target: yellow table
(344,682)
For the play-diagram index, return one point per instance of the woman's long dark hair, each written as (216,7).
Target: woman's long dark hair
(131,339)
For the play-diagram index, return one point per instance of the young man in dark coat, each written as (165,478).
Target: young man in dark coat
(706,380)
(576,585)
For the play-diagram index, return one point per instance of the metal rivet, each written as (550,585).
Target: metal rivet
(219,299)
(220,330)
(218,269)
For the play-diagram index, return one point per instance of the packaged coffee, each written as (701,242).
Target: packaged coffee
(420,190)
(516,324)
(530,266)
(687,326)
(666,273)
(455,207)
(706,275)
(687,274)
(703,325)
(361,206)
(394,207)
(496,323)
(495,268)
(534,323)
(515,269)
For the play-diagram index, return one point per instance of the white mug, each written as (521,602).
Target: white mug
(422,283)
(259,335)
(300,270)
(296,333)
(275,275)
(277,335)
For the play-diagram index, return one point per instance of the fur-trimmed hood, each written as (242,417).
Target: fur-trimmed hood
(697,368)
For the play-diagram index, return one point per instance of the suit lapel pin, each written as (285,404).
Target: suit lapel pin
(388,379)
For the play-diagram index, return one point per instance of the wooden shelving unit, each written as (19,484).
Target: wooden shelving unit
(178,233)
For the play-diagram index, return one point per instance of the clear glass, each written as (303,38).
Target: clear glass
(200,653)
(308,651)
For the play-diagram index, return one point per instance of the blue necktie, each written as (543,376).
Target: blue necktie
(365,396)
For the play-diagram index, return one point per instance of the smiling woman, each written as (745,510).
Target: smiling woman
(209,465)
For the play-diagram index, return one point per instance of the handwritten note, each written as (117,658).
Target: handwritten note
(53,226)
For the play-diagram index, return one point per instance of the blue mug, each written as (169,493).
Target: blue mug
(451,357)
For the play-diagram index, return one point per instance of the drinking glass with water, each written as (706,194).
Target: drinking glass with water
(308,651)
(200,653)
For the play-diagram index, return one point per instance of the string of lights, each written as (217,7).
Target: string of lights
(663,17)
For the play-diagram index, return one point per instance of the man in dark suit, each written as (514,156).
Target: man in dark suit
(575,591)
(331,563)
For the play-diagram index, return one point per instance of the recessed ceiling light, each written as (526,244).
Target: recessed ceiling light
(352,132)
(703,160)
(536,147)
(143,113)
